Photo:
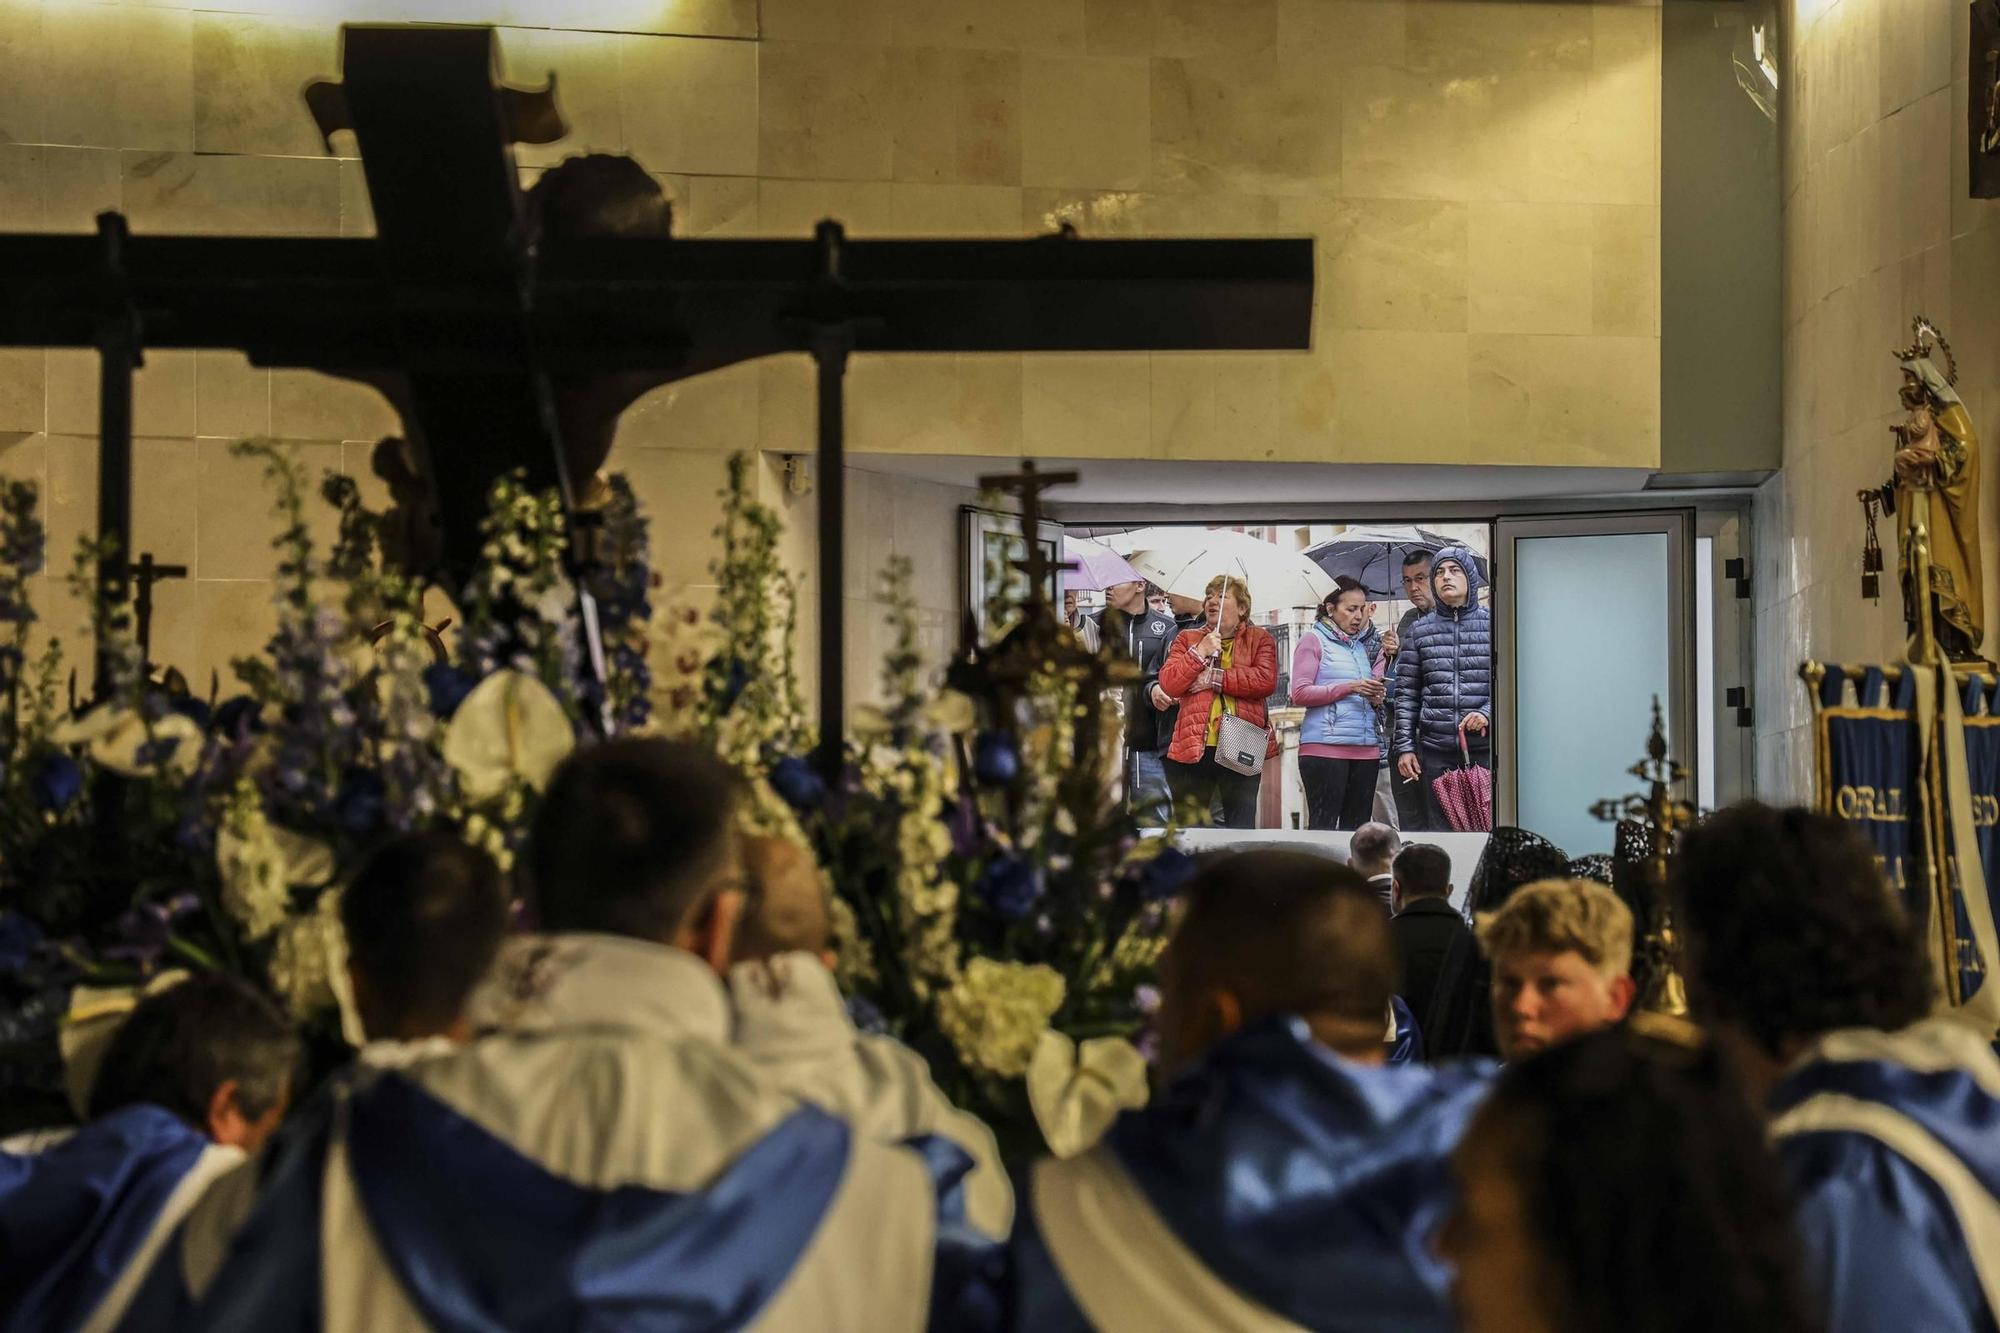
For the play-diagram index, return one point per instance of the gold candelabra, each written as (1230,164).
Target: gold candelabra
(1664,816)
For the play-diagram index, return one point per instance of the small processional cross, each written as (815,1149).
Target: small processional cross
(1664,816)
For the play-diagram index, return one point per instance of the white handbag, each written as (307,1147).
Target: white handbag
(1240,745)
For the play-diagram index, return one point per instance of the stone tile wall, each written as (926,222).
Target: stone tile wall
(1481,177)
(1878,229)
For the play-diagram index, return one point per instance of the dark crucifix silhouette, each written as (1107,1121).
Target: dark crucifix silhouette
(482,328)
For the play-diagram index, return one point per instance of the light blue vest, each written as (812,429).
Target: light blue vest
(1352,720)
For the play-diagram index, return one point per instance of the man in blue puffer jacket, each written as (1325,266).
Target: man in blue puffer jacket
(1444,681)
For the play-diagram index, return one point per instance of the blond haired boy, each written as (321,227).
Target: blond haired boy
(1561,956)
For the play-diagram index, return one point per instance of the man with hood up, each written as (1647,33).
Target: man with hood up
(1444,682)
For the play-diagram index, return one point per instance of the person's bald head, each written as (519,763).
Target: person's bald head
(1277,932)
(788,911)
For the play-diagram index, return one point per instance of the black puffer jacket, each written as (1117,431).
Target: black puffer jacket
(1445,670)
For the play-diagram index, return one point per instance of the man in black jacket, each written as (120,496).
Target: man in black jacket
(1444,973)
(1133,630)
(1444,683)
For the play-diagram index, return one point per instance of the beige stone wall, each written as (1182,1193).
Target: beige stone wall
(1878,229)
(1482,179)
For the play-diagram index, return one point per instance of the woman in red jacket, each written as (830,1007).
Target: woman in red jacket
(1229,667)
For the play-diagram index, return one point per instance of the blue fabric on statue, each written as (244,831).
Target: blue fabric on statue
(1307,1182)
(72,1216)
(1887,1246)
(511,1246)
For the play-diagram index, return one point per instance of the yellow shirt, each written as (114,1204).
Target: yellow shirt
(1221,700)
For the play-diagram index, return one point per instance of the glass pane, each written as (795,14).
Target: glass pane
(1591,625)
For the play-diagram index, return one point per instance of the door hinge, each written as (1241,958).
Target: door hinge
(1738,697)
(1738,569)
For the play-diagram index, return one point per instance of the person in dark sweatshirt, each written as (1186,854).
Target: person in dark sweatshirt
(1444,682)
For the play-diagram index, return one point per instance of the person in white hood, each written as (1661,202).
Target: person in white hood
(794,1026)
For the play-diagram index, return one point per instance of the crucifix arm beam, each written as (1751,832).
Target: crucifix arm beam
(671,306)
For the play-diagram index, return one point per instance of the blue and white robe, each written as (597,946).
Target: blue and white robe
(1275,1187)
(601,1158)
(1892,1145)
(82,1218)
(792,1024)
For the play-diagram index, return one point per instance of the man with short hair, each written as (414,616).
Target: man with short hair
(1806,969)
(1444,683)
(1439,958)
(423,920)
(195,1080)
(792,1023)
(1417,590)
(1143,636)
(600,1152)
(1561,956)
(1372,852)
(1285,1175)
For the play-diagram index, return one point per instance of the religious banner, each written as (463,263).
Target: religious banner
(1916,769)
(1867,773)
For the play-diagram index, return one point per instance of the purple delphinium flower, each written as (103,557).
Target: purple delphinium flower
(56,782)
(1011,886)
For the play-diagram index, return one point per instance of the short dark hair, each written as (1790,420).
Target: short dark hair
(1374,844)
(1415,557)
(1591,1125)
(1343,585)
(423,920)
(1792,929)
(628,837)
(180,1045)
(1423,870)
(1289,932)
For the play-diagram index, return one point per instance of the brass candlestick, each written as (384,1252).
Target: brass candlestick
(1663,816)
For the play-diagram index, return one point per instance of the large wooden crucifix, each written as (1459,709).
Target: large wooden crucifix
(453,295)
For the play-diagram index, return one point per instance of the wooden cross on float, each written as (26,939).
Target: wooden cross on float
(455,297)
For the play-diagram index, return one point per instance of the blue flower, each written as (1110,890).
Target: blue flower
(359,803)
(996,758)
(1010,886)
(236,717)
(1162,877)
(798,783)
(19,938)
(866,1017)
(728,681)
(448,686)
(56,782)
(189,707)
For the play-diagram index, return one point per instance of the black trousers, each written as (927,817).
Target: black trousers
(1205,780)
(1411,816)
(1437,763)
(1340,793)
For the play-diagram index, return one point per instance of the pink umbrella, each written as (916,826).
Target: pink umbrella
(1097,566)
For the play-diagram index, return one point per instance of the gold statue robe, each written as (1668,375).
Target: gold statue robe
(1949,507)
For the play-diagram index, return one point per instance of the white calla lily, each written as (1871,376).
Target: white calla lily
(120,739)
(1077,1091)
(510,727)
(951,712)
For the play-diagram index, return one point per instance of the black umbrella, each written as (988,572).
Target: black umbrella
(1373,557)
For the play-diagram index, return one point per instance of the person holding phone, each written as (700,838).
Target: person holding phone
(1337,677)
(1226,667)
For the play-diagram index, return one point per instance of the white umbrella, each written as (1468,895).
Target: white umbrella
(1183,560)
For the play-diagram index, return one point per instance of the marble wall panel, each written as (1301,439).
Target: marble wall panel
(116,76)
(1060,96)
(1386,263)
(825,112)
(690,104)
(1625,270)
(23,390)
(956,115)
(1591,400)
(240,196)
(233,522)
(586,70)
(1395,387)
(1333,34)
(1092,405)
(1529,268)
(249,72)
(1253,124)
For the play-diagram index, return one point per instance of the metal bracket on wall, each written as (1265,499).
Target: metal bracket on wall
(1738,569)
(1738,697)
